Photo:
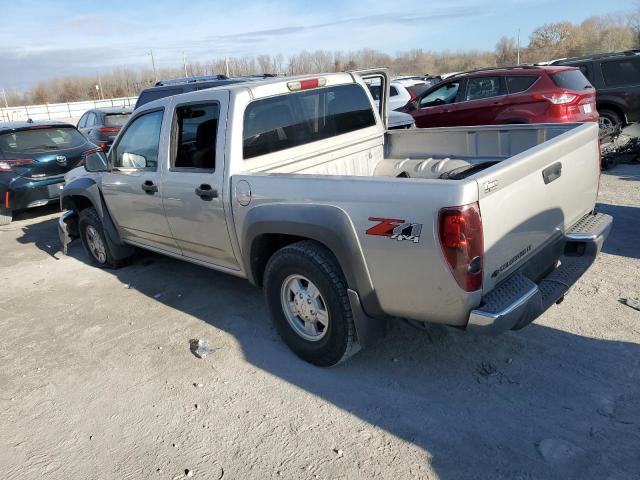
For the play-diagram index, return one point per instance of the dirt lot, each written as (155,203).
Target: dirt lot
(97,380)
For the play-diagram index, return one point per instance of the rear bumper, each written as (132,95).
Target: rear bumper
(518,301)
(25,193)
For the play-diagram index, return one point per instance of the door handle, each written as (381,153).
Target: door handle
(149,187)
(205,192)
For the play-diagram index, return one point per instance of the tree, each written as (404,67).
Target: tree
(506,52)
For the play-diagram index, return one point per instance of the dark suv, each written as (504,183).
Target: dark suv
(616,77)
(166,88)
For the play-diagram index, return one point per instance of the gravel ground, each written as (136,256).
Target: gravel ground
(97,380)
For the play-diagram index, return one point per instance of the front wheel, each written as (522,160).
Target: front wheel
(94,241)
(306,293)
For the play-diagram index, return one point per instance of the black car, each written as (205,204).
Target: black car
(102,125)
(34,156)
(616,77)
(166,88)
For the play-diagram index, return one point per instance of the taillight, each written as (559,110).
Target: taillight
(5,165)
(556,98)
(461,239)
(108,129)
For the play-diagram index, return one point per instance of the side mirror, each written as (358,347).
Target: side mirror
(95,161)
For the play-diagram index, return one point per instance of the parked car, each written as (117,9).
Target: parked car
(616,77)
(101,125)
(166,88)
(34,156)
(400,92)
(399,120)
(297,185)
(495,96)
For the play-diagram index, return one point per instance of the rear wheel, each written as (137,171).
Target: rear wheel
(609,120)
(94,240)
(5,217)
(307,297)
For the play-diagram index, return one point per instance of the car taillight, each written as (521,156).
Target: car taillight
(108,129)
(556,98)
(461,239)
(5,165)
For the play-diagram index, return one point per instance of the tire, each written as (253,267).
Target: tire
(94,241)
(609,120)
(285,274)
(6,216)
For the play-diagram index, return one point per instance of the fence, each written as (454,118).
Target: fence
(61,111)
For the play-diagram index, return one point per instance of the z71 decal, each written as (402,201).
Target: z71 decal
(395,229)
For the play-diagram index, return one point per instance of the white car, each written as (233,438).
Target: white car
(401,91)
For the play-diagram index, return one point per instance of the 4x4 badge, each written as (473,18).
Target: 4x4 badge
(395,229)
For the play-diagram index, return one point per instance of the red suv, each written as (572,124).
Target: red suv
(494,96)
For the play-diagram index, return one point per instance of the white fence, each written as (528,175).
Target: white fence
(61,111)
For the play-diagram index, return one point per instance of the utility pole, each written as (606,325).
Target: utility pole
(184,62)
(518,46)
(100,85)
(153,63)
(226,64)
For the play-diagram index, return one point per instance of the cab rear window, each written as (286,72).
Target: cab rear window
(286,121)
(571,80)
(41,139)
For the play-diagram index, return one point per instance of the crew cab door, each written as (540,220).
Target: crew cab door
(193,182)
(132,189)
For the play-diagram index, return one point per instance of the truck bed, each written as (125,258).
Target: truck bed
(423,153)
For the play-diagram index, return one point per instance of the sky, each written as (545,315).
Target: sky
(43,39)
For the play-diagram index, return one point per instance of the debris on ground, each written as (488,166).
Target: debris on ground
(200,347)
(487,372)
(188,473)
(632,302)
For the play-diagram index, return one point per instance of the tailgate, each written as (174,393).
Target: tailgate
(528,200)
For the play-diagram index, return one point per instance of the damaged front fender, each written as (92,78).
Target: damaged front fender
(68,229)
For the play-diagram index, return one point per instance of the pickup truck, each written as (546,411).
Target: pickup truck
(296,185)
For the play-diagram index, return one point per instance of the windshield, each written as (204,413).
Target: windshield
(41,139)
(116,119)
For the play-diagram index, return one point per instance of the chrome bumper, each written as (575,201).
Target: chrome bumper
(518,301)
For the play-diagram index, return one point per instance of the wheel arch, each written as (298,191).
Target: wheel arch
(267,228)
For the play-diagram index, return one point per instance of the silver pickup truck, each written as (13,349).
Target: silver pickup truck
(297,185)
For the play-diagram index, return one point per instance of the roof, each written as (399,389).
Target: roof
(9,126)
(517,69)
(598,56)
(113,110)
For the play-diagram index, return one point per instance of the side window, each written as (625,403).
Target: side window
(482,87)
(83,121)
(520,83)
(138,145)
(196,128)
(440,96)
(393,91)
(618,73)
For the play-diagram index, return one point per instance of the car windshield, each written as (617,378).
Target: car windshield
(571,80)
(41,139)
(116,119)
